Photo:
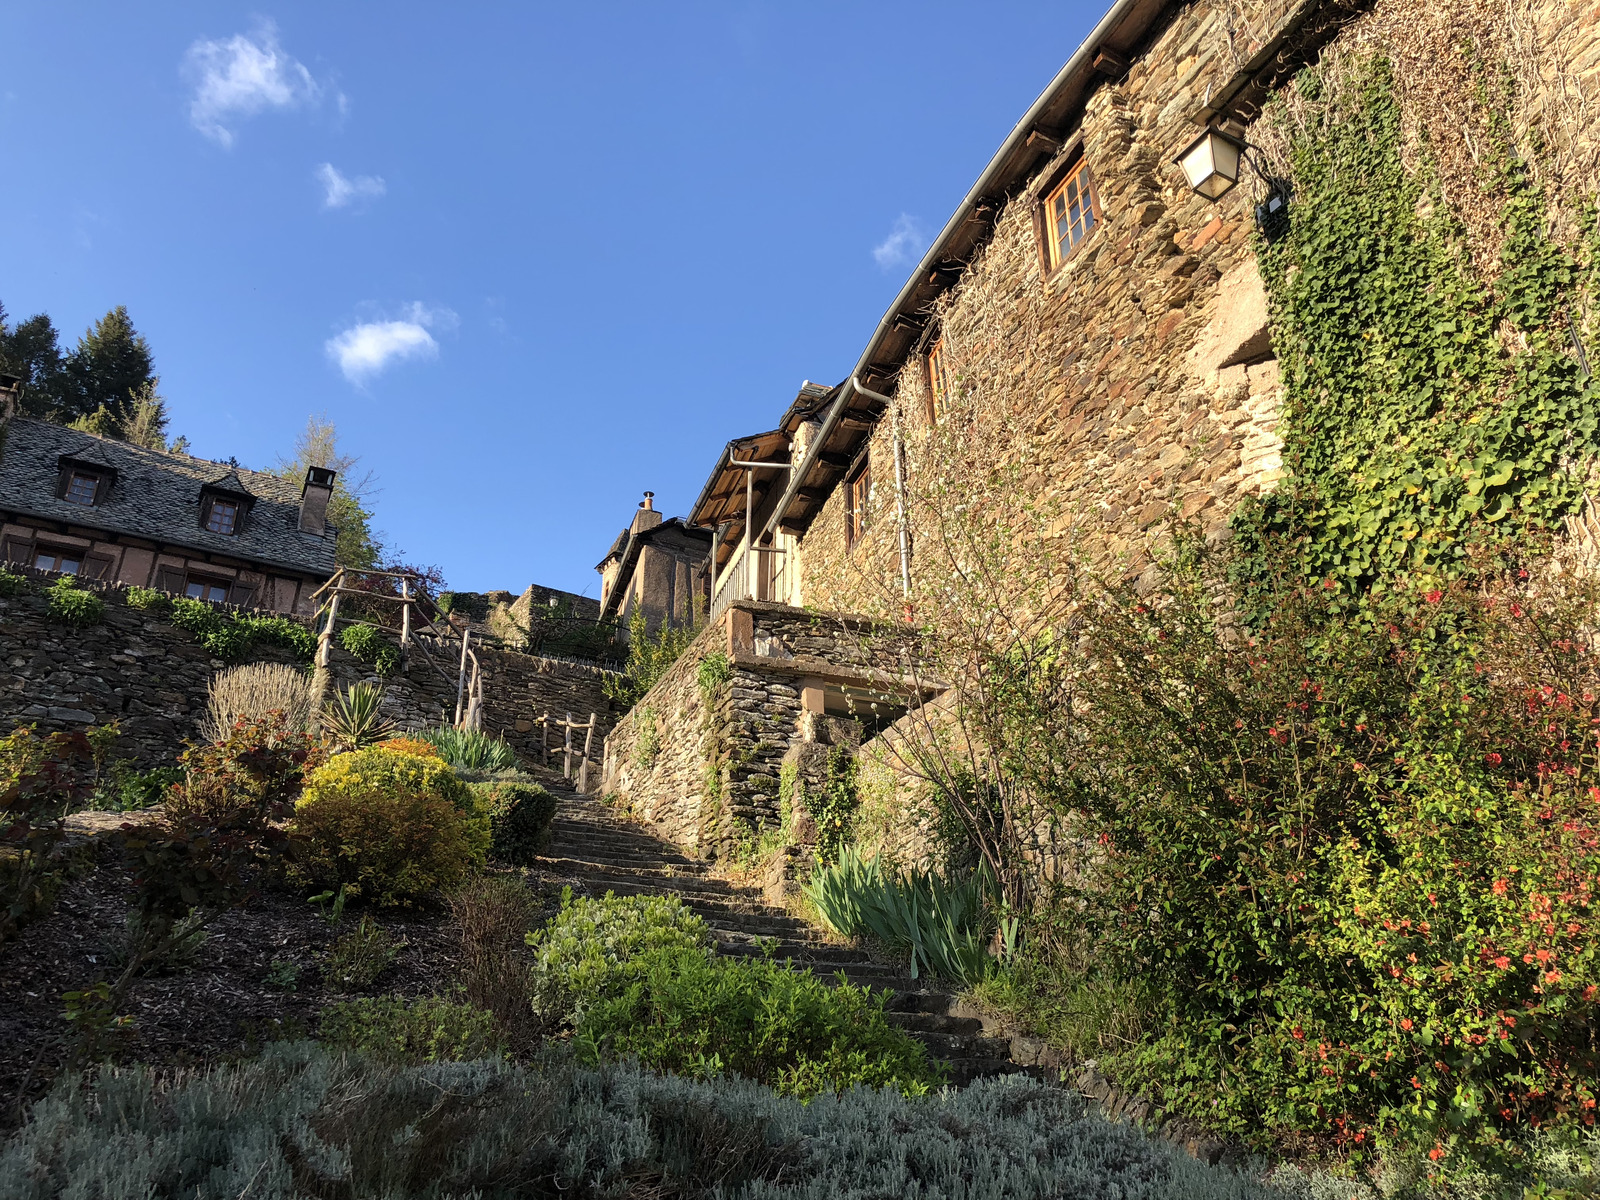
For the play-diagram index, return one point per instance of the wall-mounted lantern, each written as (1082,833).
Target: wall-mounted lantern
(1211,164)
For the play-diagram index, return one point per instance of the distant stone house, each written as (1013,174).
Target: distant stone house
(657,569)
(85,505)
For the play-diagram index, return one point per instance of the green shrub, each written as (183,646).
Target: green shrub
(131,789)
(42,779)
(520,818)
(470,749)
(147,599)
(278,631)
(356,959)
(388,826)
(71,605)
(368,643)
(354,718)
(301,1121)
(260,765)
(940,925)
(692,1015)
(216,630)
(13,583)
(588,949)
(423,1029)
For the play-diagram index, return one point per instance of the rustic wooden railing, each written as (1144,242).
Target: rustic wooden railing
(420,623)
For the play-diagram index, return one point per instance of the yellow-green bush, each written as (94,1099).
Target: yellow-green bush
(388,826)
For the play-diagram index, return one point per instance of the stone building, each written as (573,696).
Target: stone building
(656,568)
(86,505)
(1089,337)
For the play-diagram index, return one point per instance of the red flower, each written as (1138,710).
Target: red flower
(1434,596)
(1503,963)
(1492,759)
(1406,1024)
(1436,1154)
(1300,1034)
(1499,888)
(1552,977)
(1516,609)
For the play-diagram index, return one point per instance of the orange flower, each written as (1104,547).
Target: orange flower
(1499,888)
(1406,1024)
(1436,1154)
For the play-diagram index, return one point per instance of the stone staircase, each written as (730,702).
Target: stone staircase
(594,852)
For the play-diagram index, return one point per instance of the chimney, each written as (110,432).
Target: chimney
(647,517)
(314,497)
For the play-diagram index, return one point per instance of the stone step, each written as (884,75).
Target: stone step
(925,1022)
(647,877)
(966,1070)
(954,1046)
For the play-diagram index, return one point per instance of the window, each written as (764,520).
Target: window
(81,488)
(857,494)
(1070,213)
(68,562)
(223,516)
(198,588)
(938,383)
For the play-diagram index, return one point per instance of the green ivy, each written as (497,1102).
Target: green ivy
(1425,411)
(71,605)
(229,636)
(834,808)
(368,644)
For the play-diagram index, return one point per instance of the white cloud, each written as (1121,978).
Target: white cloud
(242,76)
(343,191)
(366,349)
(905,244)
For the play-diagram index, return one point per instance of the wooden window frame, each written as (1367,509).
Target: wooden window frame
(205,582)
(95,481)
(57,555)
(856,526)
(938,381)
(210,512)
(1057,255)
(1069,162)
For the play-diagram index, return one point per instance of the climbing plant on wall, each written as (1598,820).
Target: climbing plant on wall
(1426,409)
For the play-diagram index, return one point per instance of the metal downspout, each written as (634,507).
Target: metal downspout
(899,488)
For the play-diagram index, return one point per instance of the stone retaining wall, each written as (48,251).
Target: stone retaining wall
(707,777)
(139,669)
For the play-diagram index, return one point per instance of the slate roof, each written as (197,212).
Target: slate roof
(157,496)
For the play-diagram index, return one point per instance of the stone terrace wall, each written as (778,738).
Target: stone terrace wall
(709,779)
(139,669)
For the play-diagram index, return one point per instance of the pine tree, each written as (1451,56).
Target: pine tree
(109,367)
(31,351)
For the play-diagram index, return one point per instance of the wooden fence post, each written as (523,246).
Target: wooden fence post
(583,769)
(566,765)
(319,676)
(461,673)
(544,739)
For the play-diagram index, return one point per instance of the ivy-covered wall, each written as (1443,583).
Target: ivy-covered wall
(1435,399)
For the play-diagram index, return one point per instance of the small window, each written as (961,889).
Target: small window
(1070,213)
(82,488)
(938,383)
(206,589)
(68,562)
(223,516)
(857,495)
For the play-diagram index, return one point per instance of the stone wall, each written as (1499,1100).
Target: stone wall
(144,672)
(707,777)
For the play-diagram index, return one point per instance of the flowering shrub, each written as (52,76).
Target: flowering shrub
(589,949)
(261,764)
(1351,859)
(389,826)
(405,745)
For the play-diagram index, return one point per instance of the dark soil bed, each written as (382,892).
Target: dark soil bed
(223,1005)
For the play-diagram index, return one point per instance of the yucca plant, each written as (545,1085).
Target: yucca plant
(354,717)
(939,924)
(470,749)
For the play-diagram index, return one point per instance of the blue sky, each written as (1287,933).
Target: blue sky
(531,259)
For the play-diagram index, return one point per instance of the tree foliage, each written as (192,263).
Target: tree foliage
(106,384)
